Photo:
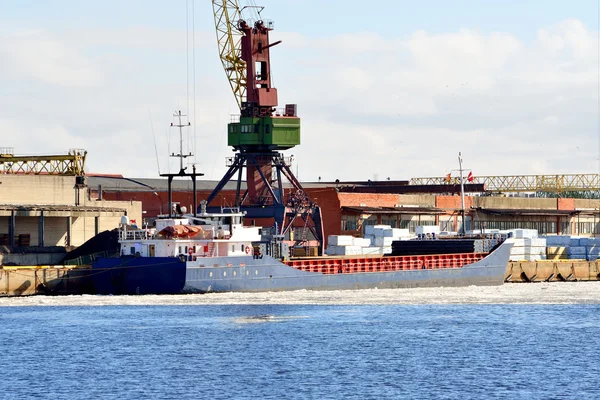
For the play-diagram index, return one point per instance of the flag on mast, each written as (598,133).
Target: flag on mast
(470,177)
(448,177)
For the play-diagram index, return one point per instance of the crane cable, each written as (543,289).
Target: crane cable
(194,144)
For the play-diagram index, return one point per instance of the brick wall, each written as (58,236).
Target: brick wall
(367,199)
(565,204)
(453,202)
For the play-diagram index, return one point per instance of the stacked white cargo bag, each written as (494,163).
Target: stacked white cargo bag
(592,248)
(565,247)
(382,236)
(342,245)
(557,247)
(528,246)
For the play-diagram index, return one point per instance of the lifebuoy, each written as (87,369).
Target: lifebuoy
(190,251)
(248,250)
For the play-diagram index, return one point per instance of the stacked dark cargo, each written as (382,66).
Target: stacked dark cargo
(424,247)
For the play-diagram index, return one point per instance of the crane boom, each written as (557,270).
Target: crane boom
(227,13)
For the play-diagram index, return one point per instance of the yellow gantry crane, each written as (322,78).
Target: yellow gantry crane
(227,13)
(525,183)
(71,164)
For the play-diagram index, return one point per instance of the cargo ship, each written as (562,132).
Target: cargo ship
(215,252)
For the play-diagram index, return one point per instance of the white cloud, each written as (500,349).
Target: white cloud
(371,104)
(37,54)
(507,105)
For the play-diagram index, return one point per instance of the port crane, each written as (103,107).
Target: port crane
(261,131)
(70,164)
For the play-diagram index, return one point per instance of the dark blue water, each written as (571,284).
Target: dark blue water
(301,352)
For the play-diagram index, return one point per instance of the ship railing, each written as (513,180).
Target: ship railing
(90,258)
(7,151)
(138,234)
(251,22)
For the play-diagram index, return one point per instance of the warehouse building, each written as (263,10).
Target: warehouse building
(349,212)
(55,210)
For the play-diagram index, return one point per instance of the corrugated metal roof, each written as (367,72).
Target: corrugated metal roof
(539,212)
(394,210)
(146,184)
(113,183)
(54,207)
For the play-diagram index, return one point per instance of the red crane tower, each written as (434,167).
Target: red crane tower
(261,131)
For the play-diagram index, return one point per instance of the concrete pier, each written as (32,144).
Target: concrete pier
(48,280)
(552,271)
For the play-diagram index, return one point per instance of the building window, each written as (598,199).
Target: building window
(390,220)
(247,128)
(588,228)
(543,227)
(447,225)
(411,225)
(349,222)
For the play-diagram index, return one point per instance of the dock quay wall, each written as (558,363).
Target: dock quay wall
(28,281)
(552,271)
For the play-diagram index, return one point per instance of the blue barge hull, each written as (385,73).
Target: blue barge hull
(138,275)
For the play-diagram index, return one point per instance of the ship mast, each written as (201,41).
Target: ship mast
(182,169)
(181,156)
(462,195)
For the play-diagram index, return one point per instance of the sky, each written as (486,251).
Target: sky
(389,89)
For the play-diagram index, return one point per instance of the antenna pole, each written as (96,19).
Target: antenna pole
(181,156)
(181,172)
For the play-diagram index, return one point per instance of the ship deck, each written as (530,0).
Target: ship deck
(379,263)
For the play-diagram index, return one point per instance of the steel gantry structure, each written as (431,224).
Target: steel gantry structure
(71,164)
(524,183)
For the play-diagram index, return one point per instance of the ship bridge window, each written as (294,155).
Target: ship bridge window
(247,128)
(227,220)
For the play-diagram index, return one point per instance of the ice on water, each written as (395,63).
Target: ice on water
(515,293)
